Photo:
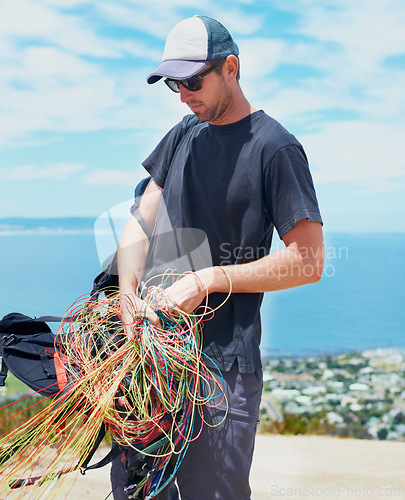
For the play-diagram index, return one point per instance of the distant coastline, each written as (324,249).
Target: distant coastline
(56,225)
(85,225)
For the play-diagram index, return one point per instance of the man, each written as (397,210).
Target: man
(233,173)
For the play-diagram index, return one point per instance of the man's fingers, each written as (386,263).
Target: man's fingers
(152,316)
(133,307)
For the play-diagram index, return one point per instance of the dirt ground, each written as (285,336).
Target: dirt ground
(302,467)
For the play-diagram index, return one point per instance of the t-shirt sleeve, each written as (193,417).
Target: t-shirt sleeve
(135,212)
(158,162)
(289,190)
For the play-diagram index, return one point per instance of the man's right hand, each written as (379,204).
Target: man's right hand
(132,308)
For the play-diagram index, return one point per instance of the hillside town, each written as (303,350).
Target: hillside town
(359,395)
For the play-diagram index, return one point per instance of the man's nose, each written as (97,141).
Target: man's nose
(184,93)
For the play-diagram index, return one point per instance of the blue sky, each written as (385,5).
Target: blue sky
(77,117)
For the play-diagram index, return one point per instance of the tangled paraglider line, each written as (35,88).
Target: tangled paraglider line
(144,384)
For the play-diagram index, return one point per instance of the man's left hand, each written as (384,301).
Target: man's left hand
(188,292)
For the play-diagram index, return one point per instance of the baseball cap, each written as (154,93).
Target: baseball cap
(191,45)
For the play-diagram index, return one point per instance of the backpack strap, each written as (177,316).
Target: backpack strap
(111,455)
(3,373)
(51,319)
(115,451)
(106,460)
(139,190)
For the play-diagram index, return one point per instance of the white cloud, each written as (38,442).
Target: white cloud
(51,87)
(357,151)
(51,90)
(238,22)
(147,18)
(381,25)
(40,22)
(57,171)
(157,17)
(354,38)
(261,63)
(112,178)
(40,64)
(68,71)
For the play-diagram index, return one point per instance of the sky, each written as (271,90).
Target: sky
(77,117)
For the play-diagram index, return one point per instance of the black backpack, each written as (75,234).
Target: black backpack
(27,350)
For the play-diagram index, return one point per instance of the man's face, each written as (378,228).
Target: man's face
(212,102)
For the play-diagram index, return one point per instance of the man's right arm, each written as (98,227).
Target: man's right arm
(132,253)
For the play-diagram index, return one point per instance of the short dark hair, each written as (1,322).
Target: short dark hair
(220,62)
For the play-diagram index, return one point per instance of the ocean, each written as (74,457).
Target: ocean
(358,304)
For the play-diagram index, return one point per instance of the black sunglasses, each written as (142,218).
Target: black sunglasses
(193,83)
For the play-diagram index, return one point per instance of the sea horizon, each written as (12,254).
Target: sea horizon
(86,225)
(357,305)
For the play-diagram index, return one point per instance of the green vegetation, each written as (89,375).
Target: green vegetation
(14,387)
(18,403)
(14,413)
(307,424)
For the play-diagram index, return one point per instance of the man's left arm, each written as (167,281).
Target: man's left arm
(299,263)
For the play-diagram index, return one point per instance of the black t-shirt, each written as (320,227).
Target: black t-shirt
(225,188)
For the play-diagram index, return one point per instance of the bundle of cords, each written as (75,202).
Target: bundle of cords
(144,387)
